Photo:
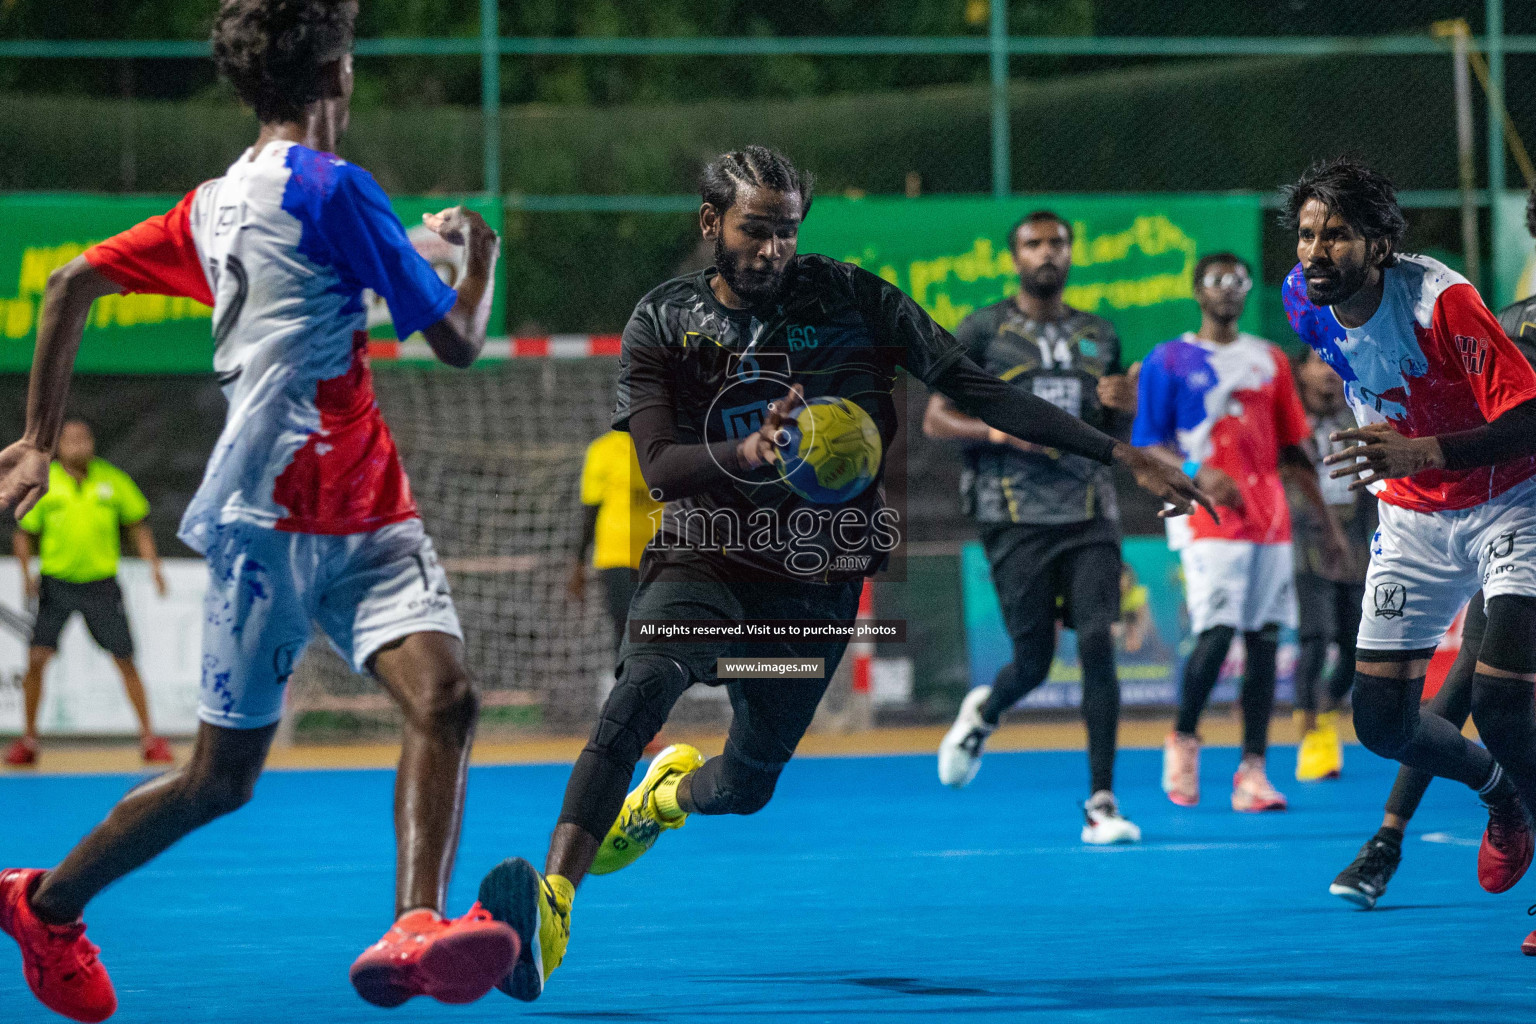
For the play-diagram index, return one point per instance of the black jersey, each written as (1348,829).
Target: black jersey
(838,331)
(1519,322)
(1060,361)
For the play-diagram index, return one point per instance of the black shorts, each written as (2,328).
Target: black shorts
(1069,572)
(769,716)
(100,602)
(683,585)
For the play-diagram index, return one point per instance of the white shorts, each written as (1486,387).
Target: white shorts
(1238,583)
(266,586)
(1425,565)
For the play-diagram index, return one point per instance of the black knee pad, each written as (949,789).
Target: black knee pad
(633,714)
(1384,714)
(1509,640)
(638,706)
(730,784)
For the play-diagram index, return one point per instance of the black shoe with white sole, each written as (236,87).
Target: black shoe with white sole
(1365,880)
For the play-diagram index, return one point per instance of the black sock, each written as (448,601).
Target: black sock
(1391,836)
(1499,790)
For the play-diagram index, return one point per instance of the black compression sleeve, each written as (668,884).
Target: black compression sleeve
(1015,411)
(1511,436)
(678,470)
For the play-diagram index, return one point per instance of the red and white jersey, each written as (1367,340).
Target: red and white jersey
(282,246)
(1231,407)
(1432,360)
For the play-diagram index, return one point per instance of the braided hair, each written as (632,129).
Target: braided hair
(753,167)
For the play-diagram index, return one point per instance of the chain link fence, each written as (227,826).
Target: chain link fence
(600,143)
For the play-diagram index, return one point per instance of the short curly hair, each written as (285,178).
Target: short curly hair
(273,51)
(1363,196)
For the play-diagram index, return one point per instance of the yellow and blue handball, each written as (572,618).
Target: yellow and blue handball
(832,451)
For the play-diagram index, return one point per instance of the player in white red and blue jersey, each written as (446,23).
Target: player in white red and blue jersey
(1225,404)
(304,513)
(1447,439)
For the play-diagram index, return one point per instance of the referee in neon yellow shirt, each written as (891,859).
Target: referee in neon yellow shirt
(621,517)
(76,528)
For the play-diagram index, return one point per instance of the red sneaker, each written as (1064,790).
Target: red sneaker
(157,751)
(22,753)
(454,961)
(1507,846)
(59,961)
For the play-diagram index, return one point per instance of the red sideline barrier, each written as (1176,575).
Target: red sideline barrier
(863,651)
(553,346)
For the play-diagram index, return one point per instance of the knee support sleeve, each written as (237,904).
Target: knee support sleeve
(1386,713)
(642,698)
(1509,639)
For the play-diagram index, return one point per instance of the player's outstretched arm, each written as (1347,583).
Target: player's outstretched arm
(459,336)
(66,304)
(1020,414)
(942,421)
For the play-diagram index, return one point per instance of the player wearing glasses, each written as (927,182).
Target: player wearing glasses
(1223,404)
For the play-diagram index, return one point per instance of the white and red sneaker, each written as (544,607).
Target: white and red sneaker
(1251,790)
(156,750)
(1105,825)
(1507,846)
(22,753)
(1181,768)
(454,961)
(59,962)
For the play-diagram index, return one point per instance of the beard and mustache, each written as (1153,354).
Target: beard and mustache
(1044,282)
(1337,283)
(755,287)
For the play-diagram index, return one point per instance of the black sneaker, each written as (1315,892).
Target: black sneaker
(1365,880)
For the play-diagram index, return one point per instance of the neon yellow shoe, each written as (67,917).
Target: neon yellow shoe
(1328,723)
(1321,755)
(641,820)
(538,909)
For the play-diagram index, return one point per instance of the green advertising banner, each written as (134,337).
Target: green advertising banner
(140,333)
(1132,255)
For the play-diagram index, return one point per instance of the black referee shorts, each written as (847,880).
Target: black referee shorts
(101,604)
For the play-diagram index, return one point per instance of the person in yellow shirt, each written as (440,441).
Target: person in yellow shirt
(620,519)
(76,530)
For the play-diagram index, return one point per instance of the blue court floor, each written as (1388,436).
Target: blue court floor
(864,892)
